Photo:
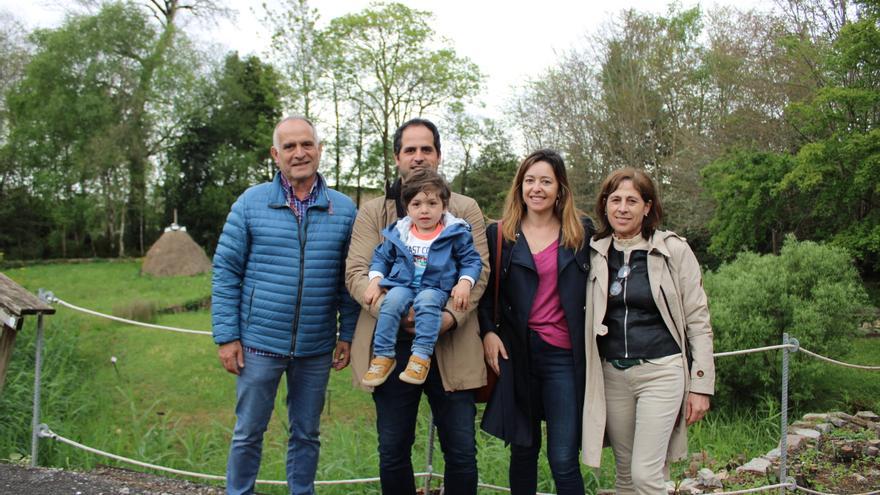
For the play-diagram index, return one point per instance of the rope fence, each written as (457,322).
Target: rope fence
(51,298)
(789,345)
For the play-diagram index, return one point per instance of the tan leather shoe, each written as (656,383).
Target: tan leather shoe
(379,370)
(416,370)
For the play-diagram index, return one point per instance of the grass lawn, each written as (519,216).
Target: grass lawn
(168,401)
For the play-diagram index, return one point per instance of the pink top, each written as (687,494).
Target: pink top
(547,317)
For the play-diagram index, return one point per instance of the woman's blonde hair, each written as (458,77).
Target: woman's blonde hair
(515,208)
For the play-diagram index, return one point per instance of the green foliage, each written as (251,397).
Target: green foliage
(811,291)
(828,190)
(491,173)
(752,211)
(382,57)
(224,149)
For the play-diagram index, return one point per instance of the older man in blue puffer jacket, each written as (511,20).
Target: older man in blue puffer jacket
(277,288)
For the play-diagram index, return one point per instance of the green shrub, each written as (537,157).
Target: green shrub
(811,291)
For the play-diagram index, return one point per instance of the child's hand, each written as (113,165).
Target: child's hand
(461,295)
(373,291)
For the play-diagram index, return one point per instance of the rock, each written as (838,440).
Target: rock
(838,422)
(800,424)
(124,490)
(858,478)
(757,465)
(869,415)
(807,432)
(707,478)
(773,455)
(842,415)
(872,452)
(815,417)
(793,441)
(722,475)
(688,485)
(823,427)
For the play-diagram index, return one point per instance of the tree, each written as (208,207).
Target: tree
(296,46)
(826,189)
(753,212)
(137,125)
(225,148)
(492,171)
(466,134)
(66,135)
(389,71)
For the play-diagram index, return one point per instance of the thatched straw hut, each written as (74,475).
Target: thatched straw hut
(175,253)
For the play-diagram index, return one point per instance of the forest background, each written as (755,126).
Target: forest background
(761,129)
(755,124)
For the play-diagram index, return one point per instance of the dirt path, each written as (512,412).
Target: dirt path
(19,480)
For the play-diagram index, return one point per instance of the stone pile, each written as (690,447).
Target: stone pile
(809,432)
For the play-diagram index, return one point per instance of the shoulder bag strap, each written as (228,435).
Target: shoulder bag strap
(497,272)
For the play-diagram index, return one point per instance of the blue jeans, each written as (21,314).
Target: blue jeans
(255,392)
(552,388)
(427,303)
(397,406)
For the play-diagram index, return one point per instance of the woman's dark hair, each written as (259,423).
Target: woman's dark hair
(642,183)
(428,181)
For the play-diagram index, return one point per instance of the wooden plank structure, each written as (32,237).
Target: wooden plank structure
(15,303)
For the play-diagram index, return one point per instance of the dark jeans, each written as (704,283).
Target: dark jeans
(397,406)
(552,388)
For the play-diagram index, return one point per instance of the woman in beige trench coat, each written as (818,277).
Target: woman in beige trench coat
(650,370)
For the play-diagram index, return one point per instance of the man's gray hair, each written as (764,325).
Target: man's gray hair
(275,142)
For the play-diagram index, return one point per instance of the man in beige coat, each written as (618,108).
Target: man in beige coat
(458,355)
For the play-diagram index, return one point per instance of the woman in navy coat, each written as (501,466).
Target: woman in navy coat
(537,346)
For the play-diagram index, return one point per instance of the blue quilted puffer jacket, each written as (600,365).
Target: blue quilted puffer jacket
(277,283)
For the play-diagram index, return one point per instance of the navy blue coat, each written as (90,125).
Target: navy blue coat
(509,414)
(278,282)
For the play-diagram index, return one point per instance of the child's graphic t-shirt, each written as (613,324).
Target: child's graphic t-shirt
(419,244)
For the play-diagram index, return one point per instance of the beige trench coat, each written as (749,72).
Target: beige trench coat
(677,286)
(458,353)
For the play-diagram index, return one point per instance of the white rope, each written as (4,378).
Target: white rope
(814,492)
(840,363)
(45,432)
(758,489)
(757,349)
(54,299)
(123,320)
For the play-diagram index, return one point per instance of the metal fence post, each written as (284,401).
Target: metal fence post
(38,365)
(430,458)
(783,431)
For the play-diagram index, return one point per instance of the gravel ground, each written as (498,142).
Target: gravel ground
(20,480)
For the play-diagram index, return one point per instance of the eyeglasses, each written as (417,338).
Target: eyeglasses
(617,285)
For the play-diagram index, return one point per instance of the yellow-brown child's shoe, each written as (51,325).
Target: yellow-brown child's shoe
(416,370)
(379,371)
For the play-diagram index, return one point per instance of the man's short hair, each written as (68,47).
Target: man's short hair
(427,181)
(398,134)
(275,142)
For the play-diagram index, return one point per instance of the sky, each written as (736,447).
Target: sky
(510,40)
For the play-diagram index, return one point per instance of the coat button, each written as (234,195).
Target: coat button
(700,373)
(585,308)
